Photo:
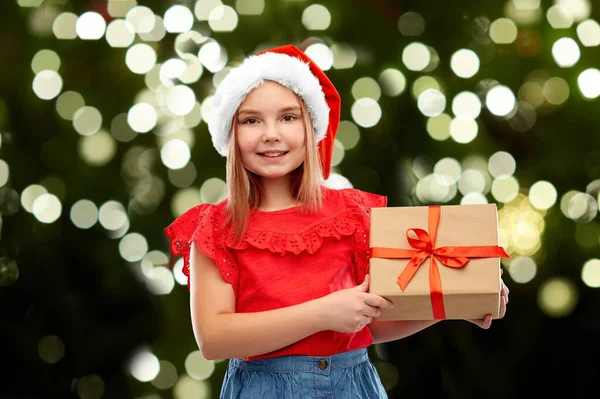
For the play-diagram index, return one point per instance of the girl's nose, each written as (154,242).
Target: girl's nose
(271,132)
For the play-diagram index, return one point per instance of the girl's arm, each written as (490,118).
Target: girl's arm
(385,331)
(223,334)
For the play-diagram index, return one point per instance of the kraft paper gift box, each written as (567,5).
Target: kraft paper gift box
(403,241)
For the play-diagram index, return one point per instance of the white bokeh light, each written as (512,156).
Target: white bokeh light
(47,208)
(589,83)
(321,55)
(178,19)
(464,63)
(90,26)
(181,100)
(144,366)
(416,56)
(566,52)
(175,154)
(140,58)
(84,214)
(316,17)
(120,33)
(366,112)
(142,117)
(47,84)
(432,102)
(542,195)
(466,105)
(500,100)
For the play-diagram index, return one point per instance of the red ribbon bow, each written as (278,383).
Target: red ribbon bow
(424,244)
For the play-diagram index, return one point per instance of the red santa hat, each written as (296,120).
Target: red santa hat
(290,67)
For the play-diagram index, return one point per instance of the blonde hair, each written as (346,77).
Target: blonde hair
(245,193)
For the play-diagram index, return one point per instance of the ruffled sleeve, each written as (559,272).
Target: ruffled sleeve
(359,204)
(202,225)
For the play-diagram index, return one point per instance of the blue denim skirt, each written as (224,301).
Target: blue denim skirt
(348,375)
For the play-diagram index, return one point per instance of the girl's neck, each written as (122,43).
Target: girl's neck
(277,194)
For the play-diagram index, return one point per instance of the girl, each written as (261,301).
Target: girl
(278,273)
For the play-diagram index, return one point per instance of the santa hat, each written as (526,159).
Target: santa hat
(290,67)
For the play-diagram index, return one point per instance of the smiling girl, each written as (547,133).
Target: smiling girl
(278,271)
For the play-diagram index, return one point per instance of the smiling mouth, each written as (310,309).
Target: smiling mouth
(273,154)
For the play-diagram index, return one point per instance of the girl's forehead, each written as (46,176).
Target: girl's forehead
(269,92)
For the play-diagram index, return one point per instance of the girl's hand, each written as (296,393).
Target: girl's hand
(350,310)
(486,322)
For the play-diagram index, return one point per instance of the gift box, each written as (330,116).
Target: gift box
(436,262)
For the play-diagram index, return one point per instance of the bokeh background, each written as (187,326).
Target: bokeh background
(103,142)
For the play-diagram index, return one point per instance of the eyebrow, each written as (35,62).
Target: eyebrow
(252,111)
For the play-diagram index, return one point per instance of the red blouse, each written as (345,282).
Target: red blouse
(287,258)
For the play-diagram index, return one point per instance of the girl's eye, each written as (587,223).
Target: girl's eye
(250,121)
(289,118)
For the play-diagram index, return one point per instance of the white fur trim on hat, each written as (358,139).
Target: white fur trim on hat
(281,68)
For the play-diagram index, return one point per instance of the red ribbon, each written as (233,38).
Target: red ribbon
(424,244)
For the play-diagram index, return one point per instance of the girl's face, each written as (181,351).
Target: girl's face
(271,133)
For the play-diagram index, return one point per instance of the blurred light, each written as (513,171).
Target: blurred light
(45,60)
(589,33)
(90,26)
(171,69)
(167,376)
(120,33)
(140,58)
(522,269)
(432,102)
(181,100)
(144,366)
(581,207)
(589,83)
(213,56)
(9,271)
(463,131)
(157,33)
(559,17)
(338,153)
(250,7)
(119,8)
(464,63)
(502,164)
(542,195)
(175,154)
(348,134)
(366,112)
(87,121)
(556,91)
(590,274)
(193,70)
(183,200)
(112,216)
(523,12)
(500,100)
(30,194)
(566,52)
(51,349)
(198,367)
(525,117)
(316,17)
(68,103)
(64,26)
(205,108)
(47,84)
(121,130)
(411,24)
(557,297)
(4,174)
(194,118)
(471,181)
(97,150)
(189,42)
(183,177)
(473,199)
(29,3)
(203,8)
(141,18)
(423,83)
(432,188)
(187,388)
(142,117)
(344,56)
(223,19)
(466,105)
(84,214)
(47,208)
(178,19)
(438,127)
(503,31)
(416,56)
(392,82)
(160,281)
(90,386)
(422,167)
(579,9)
(213,190)
(9,202)
(533,93)
(505,189)
(366,87)
(321,55)
(181,278)
(449,168)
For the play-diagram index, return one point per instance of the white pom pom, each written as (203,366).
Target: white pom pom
(337,182)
